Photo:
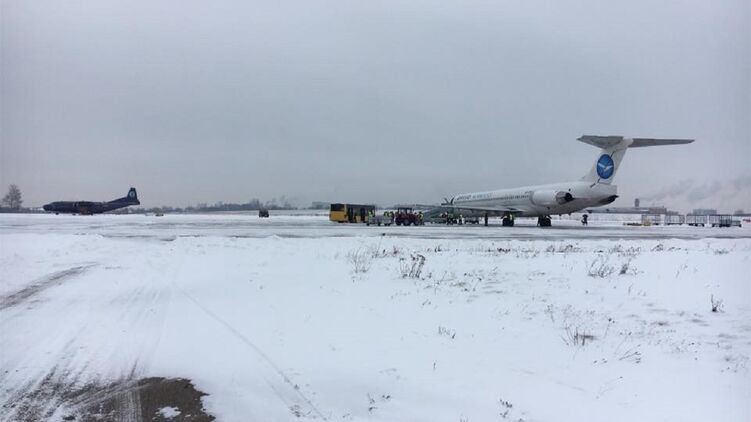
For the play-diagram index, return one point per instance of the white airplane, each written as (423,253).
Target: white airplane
(594,189)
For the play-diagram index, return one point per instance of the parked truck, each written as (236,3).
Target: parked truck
(720,220)
(674,219)
(696,220)
(714,220)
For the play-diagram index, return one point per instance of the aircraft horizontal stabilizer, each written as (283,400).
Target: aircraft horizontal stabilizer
(649,142)
(603,142)
(606,142)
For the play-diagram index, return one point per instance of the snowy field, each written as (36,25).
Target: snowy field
(294,317)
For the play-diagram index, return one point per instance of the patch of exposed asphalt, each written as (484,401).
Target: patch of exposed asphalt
(122,401)
(40,285)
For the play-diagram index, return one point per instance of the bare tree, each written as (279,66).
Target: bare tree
(13,199)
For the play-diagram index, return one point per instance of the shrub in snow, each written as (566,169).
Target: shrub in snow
(377,252)
(505,408)
(411,268)
(716,304)
(600,268)
(627,268)
(629,252)
(630,355)
(360,260)
(443,331)
(576,338)
(550,311)
(526,253)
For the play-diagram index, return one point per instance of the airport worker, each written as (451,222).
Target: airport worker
(584,220)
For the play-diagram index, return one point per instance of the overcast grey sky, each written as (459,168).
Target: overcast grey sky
(377,101)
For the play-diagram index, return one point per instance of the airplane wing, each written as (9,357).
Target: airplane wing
(489,209)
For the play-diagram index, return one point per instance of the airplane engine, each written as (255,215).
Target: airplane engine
(551,198)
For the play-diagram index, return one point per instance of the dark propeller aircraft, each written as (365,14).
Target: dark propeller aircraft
(88,207)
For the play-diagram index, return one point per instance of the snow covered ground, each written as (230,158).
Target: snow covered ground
(295,317)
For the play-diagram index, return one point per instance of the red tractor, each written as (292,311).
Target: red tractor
(406,216)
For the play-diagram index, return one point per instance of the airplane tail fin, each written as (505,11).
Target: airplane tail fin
(131,198)
(612,150)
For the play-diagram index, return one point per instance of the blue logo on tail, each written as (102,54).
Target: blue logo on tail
(605,166)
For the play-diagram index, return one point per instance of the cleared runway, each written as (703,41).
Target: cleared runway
(318,226)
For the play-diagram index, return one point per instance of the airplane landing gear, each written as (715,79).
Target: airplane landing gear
(544,221)
(508,221)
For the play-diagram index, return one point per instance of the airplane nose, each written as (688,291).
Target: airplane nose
(47,207)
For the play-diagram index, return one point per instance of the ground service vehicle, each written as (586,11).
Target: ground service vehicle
(350,213)
(406,216)
(380,220)
(450,218)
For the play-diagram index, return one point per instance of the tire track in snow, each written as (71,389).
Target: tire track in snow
(69,384)
(40,285)
(259,352)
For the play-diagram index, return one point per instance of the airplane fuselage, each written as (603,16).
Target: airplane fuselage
(540,200)
(83,207)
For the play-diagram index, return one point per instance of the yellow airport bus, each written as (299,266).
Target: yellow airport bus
(350,213)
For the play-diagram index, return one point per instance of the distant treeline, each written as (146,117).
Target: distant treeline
(252,205)
(21,210)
